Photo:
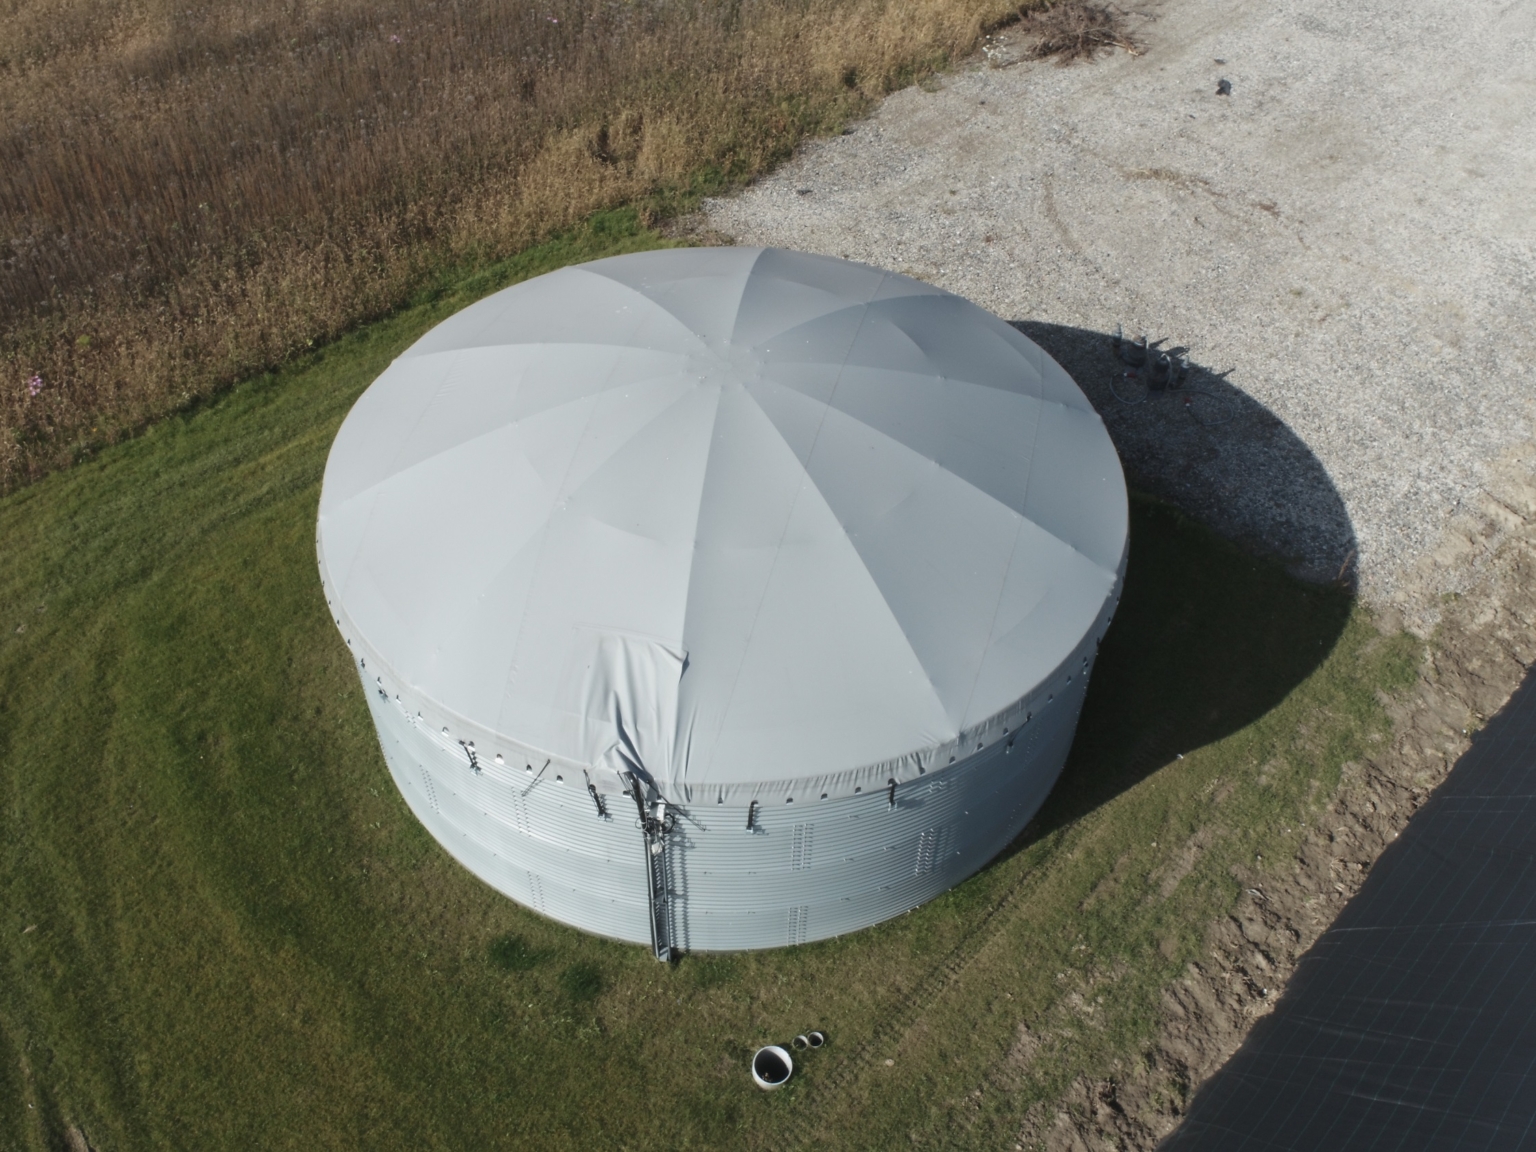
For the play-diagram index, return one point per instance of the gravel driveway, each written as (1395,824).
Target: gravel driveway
(1344,244)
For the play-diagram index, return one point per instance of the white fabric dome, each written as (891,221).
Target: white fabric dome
(723,598)
(746,519)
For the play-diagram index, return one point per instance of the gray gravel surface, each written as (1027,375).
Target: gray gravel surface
(1346,244)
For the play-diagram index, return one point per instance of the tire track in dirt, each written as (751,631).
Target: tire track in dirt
(896,1026)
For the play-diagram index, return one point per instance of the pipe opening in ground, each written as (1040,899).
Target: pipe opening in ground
(771,1066)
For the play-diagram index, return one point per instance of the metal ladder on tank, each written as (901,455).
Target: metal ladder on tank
(657,823)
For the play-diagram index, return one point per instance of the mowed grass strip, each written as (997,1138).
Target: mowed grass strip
(223,929)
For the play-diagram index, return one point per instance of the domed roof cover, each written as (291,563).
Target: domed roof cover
(728,515)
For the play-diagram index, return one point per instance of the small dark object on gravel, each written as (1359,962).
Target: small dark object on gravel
(1223,87)
(802,191)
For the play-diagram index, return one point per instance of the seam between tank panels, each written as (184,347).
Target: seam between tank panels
(606,387)
(778,548)
(437,389)
(997,607)
(562,494)
(1021,518)
(698,340)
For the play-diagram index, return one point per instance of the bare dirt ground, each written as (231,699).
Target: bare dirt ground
(1345,244)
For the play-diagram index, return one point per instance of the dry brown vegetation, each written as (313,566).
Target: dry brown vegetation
(188,195)
(1071,30)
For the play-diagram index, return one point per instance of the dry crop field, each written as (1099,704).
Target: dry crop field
(189,194)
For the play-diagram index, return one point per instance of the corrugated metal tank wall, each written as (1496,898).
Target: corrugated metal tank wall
(806,870)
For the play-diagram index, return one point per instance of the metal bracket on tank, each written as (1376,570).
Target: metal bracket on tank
(656,823)
(602,811)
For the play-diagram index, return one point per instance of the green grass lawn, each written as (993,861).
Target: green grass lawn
(223,929)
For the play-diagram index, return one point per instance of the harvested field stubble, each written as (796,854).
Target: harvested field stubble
(190,195)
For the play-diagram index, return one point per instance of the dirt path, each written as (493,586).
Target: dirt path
(1345,243)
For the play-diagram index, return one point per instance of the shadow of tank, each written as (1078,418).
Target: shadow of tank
(1215,452)
(1240,580)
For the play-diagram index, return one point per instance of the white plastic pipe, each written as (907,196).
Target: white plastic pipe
(771,1067)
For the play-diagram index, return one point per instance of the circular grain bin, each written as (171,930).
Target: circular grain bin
(723,598)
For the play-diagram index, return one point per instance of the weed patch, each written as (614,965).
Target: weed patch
(1073,30)
(582,982)
(512,953)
